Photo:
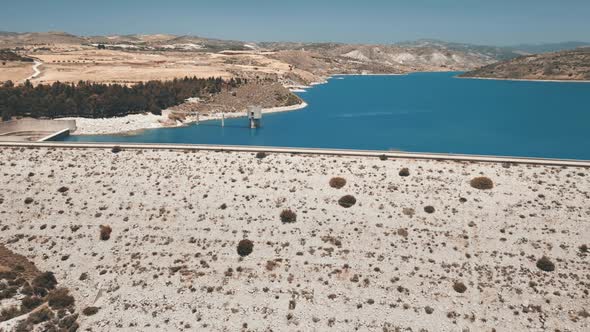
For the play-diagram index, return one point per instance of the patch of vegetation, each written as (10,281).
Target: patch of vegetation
(28,200)
(45,280)
(288,216)
(261,155)
(63,189)
(337,182)
(116,149)
(60,298)
(545,264)
(459,287)
(90,311)
(105,232)
(482,183)
(8,55)
(429,209)
(404,172)
(245,247)
(94,100)
(383,157)
(347,201)
(31,302)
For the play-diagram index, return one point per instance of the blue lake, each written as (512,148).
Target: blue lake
(422,112)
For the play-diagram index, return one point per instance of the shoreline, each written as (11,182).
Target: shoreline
(135,123)
(523,80)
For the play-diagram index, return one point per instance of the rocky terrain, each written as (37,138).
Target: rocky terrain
(32,300)
(137,58)
(565,65)
(157,240)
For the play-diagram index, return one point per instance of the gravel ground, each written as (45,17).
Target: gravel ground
(422,252)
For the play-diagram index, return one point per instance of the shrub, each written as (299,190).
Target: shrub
(429,209)
(288,216)
(9,313)
(347,201)
(63,189)
(31,302)
(89,311)
(28,200)
(261,155)
(245,247)
(482,183)
(45,280)
(459,287)
(545,264)
(105,232)
(583,248)
(40,316)
(60,298)
(404,172)
(337,182)
(116,149)
(383,157)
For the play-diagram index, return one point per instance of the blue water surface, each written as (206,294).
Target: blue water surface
(422,112)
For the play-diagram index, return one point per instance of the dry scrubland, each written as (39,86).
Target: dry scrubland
(418,248)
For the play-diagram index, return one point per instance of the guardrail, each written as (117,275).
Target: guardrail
(311,151)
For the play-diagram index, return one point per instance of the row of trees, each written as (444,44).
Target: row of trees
(92,100)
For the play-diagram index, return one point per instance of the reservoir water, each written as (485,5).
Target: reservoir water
(422,112)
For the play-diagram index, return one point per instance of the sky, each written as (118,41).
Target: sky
(490,22)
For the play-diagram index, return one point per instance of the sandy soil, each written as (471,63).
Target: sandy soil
(384,264)
(15,71)
(126,67)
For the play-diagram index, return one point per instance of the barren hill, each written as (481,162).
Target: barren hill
(565,65)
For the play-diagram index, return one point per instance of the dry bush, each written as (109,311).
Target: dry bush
(105,232)
(31,302)
(63,189)
(288,216)
(116,149)
(482,183)
(459,287)
(60,298)
(545,264)
(383,157)
(261,155)
(429,209)
(337,182)
(45,280)
(404,172)
(245,247)
(347,201)
(89,311)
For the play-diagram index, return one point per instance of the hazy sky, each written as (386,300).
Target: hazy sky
(499,22)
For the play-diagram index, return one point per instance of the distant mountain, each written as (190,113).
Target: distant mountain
(547,48)
(564,65)
(493,52)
